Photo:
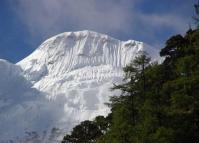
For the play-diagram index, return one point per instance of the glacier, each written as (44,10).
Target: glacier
(66,80)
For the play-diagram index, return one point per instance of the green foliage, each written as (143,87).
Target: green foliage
(103,123)
(163,135)
(86,132)
(89,131)
(160,102)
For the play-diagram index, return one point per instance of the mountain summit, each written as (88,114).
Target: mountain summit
(79,56)
(72,74)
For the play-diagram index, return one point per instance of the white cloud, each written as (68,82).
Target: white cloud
(164,20)
(50,17)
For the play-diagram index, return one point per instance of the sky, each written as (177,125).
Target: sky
(25,24)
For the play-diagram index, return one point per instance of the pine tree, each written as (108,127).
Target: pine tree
(86,132)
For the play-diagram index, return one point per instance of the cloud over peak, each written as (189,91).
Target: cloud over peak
(49,17)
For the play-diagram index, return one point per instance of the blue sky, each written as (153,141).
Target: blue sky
(24,24)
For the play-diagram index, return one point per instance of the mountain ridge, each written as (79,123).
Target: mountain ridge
(72,73)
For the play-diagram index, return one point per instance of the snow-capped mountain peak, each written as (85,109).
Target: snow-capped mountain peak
(72,73)
(71,51)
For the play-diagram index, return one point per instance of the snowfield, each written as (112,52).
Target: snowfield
(63,82)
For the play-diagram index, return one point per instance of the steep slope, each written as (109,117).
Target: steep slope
(68,80)
(81,66)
